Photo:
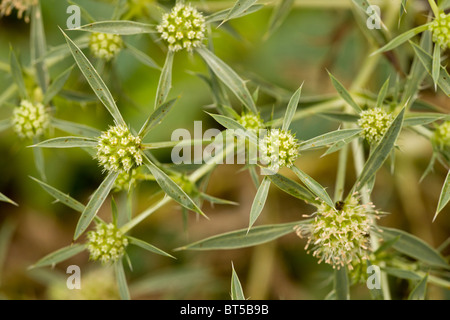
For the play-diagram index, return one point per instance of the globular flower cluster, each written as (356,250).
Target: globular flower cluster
(374,122)
(22,6)
(125,180)
(118,150)
(251,121)
(105,45)
(442,134)
(339,236)
(106,243)
(279,149)
(183,28)
(440,28)
(30,119)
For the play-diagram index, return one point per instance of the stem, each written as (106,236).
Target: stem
(434,7)
(340,178)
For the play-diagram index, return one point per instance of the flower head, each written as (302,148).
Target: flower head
(118,150)
(440,29)
(105,45)
(106,243)
(442,134)
(30,119)
(374,122)
(251,121)
(339,236)
(279,148)
(22,6)
(183,28)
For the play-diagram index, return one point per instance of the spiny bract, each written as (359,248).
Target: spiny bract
(440,28)
(106,243)
(279,149)
(118,150)
(105,45)
(339,236)
(30,119)
(183,28)
(374,122)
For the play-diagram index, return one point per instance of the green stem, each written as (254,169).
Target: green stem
(340,178)
(434,7)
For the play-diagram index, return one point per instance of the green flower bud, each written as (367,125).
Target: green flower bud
(440,29)
(279,149)
(374,122)
(251,121)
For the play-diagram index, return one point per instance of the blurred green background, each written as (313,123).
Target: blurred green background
(310,41)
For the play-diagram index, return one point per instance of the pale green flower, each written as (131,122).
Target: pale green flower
(251,121)
(374,122)
(106,243)
(442,134)
(183,28)
(279,149)
(118,150)
(440,28)
(30,119)
(105,45)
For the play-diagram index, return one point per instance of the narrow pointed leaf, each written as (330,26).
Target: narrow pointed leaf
(94,204)
(68,142)
(75,128)
(381,152)
(236,288)
(259,201)
(417,119)
(171,188)
(291,108)
(59,255)
(436,67)
(16,72)
(148,247)
(229,77)
(243,238)
(60,196)
(142,57)
(414,247)
(220,15)
(402,274)
(382,94)
(156,117)
(427,61)
(341,284)
(313,186)
(329,138)
(278,16)
(344,94)
(6,199)
(292,187)
(239,7)
(38,46)
(236,126)
(444,198)
(165,80)
(56,86)
(121,27)
(124,292)
(402,38)
(212,199)
(94,80)
(39,160)
(420,291)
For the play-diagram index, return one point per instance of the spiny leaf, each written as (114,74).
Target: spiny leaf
(56,86)
(444,198)
(329,138)
(67,142)
(259,201)
(243,238)
(382,94)
(417,118)
(313,186)
(16,72)
(241,6)
(220,15)
(165,80)
(121,27)
(142,57)
(95,81)
(419,292)
(229,77)
(6,199)
(156,117)
(292,107)
(148,247)
(237,128)
(236,288)
(292,187)
(39,159)
(94,204)
(121,280)
(59,256)
(60,196)
(344,94)
(278,16)
(75,128)
(413,247)
(38,46)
